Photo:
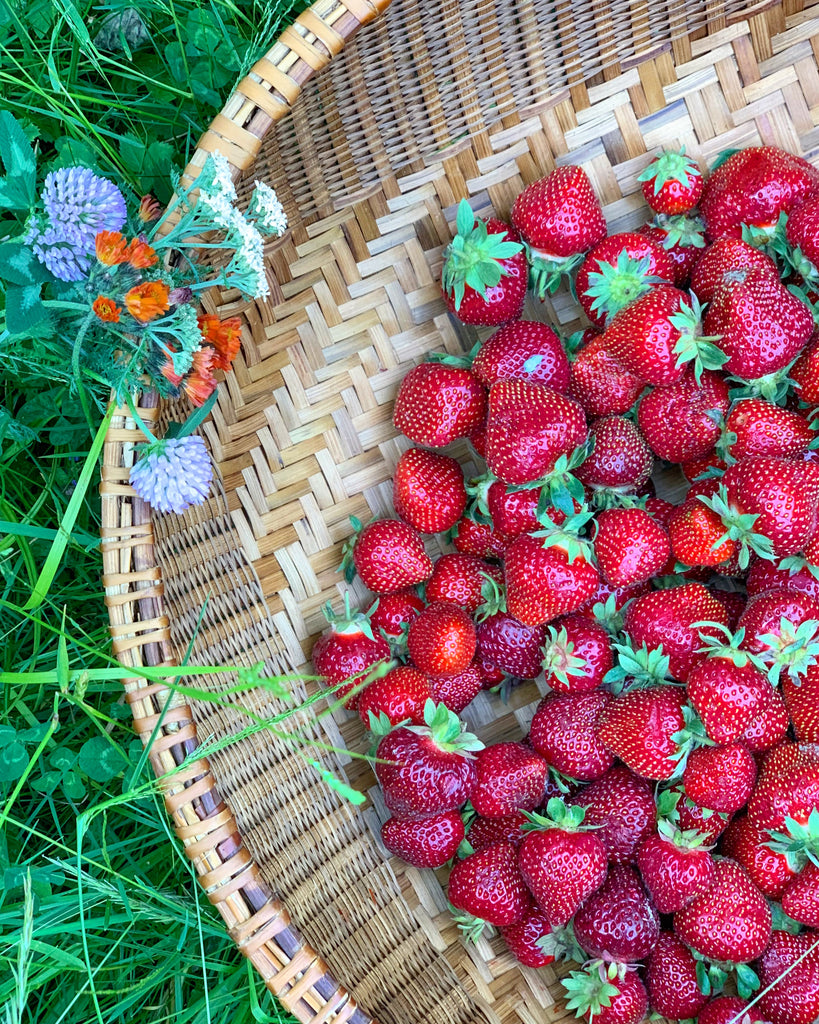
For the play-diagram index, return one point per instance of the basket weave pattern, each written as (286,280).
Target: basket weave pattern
(303,438)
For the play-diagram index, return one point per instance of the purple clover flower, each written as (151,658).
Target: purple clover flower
(81,204)
(50,247)
(173,473)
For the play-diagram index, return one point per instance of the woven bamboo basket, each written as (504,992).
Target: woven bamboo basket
(432,102)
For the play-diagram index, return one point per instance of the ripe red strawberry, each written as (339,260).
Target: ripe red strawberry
(672,183)
(720,778)
(731,922)
(512,511)
(728,1010)
(506,643)
(727,691)
(621,807)
(802,233)
(769,727)
(457,692)
(698,536)
(694,469)
(427,769)
(344,653)
(564,731)
(460,579)
(529,427)
(749,846)
(618,922)
(620,460)
(802,700)
(801,898)
(479,539)
(488,831)
(388,555)
(760,324)
(683,238)
(601,383)
(436,404)
(640,727)
(524,939)
(607,604)
(524,350)
(561,863)
(805,372)
(441,640)
(787,787)
(658,334)
(424,842)
(630,547)
(671,980)
(753,186)
(391,614)
(782,631)
(690,817)
(695,409)
(428,490)
(511,778)
(789,979)
(763,428)
(675,867)
(667,617)
(618,270)
(401,695)
(488,886)
(725,256)
(484,275)
(577,655)
(606,994)
(765,575)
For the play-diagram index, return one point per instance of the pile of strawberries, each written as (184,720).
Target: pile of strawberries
(659,823)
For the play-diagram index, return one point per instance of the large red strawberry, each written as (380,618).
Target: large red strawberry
(620,461)
(727,690)
(524,939)
(766,575)
(513,510)
(564,731)
(460,579)
(387,554)
(600,382)
(682,237)
(694,407)
(787,787)
(437,404)
(427,769)
(802,234)
(672,183)
(675,866)
(487,885)
(726,256)
(671,979)
(769,727)
(801,898)
(606,994)
(524,350)
(484,273)
(391,614)
(504,641)
(400,696)
(441,640)
(640,727)
(720,778)
(428,490)
(789,979)
(762,428)
(617,271)
(753,186)
(805,372)
(529,427)
(561,863)
(344,653)
(479,539)
(750,847)
(577,655)
(621,807)
(630,546)
(618,922)
(511,777)
(424,842)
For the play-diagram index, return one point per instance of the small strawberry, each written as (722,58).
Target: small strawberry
(618,270)
(511,778)
(728,1010)
(620,806)
(672,183)
(391,614)
(620,461)
(630,547)
(787,787)
(640,727)
(487,886)
(457,692)
(524,350)
(694,407)
(513,510)
(427,769)
(750,847)
(753,186)
(618,922)
(488,831)
(460,579)
(428,490)
(675,866)
(726,256)
(344,653)
(479,539)
(565,730)
(524,939)
(606,994)
(789,979)
(437,404)
(483,277)
(782,631)
(671,979)
(762,428)
(387,554)
(802,700)
(698,536)
(504,641)
(697,469)
(690,817)
(720,778)
(441,640)
(682,237)
(400,695)
(561,863)
(577,655)
(424,842)
(601,383)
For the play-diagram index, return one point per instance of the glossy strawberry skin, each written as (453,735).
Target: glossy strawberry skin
(513,512)
(441,640)
(764,575)
(417,777)
(523,350)
(489,885)
(726,1010)
(561,869)
(691,816)
(674,195)
(683,257)
(769,727)
(639,726)
(787,787)
(424,842)
(630,1004)
(621,806)
(542,582)
(748,846)
(590,643)
(428,490)
(389,555)
(697,536)
(459,579)
(511,777)
(340,657)
(630,546)
(674,875)
(478,539)
(766,429)
(618,923)
(802,229)
(620,458)
(400,695)
(523,939)
(801,898)
(488,831)
(802,700)
(564,731)
(437,404)
(560,214)
(457,691)
(789,976)
(720,778)
(391,612)
(502,302)
(601,383)
(694,409)
(505,642)
(727,697)
(671,979)
(805,372)
(722,257)
(764,613)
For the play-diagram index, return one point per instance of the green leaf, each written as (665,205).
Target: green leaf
(62,759)
(466,218)
(24,308)
(100,760)
(73,786)
(18,188)
(13,761)
(47,782)
(19,265)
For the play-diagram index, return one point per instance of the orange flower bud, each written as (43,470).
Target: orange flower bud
(147,300)
(106,309)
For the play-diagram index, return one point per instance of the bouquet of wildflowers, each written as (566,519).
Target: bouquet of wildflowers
(116,291)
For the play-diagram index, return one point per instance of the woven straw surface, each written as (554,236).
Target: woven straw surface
(429,104)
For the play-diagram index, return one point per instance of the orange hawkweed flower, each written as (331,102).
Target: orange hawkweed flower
(140,254)
(106,309)
(224,335)
(111,248)
(200,382)
(147,300)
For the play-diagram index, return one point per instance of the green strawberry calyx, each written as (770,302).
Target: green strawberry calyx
(560,488)
(477,490)
(592,989)
(349,623)
(609,615)
(793,650)
(546,271)
(773,387)
(796,563)
(680,229)
(567,535)
(692,346)
(494,598)
(691,736)
(561,944)
(799,841)
(560,815)
(446,730)
(347,566)
(685,839)
(473,257)
(671,165)
(460,360)
(739,527)
(559,659)
(641,667)
(668,803)
(716,647)
(712,976)
(470,927)
(617,284)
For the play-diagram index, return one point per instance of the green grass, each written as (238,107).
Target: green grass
(100,916)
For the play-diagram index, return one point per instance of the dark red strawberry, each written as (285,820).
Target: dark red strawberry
(488,886)
(750,847)
(561,863)
(769,727)
(391,614)
(606,994)
(424,842)
(789,979)
(727,690)
(577,655)
(401,696)
(762,428)
(726,256)
(428,490)
(488,831)
(720,778)
(524,939)
(524,350)
(388,555)
(787,787)
(753,186)
(618,922)
(698,536)
(427,770)
(630,547)
(564,731)
(728,1010)
(437,404)
(484,273)
(782,631)
(620,461)
(441,640)
(529,427)
(801,898)
(672,183)
(601,383)
(683,238)
(805,372)
(621,807)
(479,539)
(511,778)
(690,817)
(457,691)
(671,979)
(640,727)
(675,867)
(506,643)
(460,579)
(802,700)
(696,410)
(344,653)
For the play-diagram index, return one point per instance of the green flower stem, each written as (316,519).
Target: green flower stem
(75,367)
(143,426)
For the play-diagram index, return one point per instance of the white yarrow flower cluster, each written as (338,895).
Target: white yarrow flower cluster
(267,211)
(222,179)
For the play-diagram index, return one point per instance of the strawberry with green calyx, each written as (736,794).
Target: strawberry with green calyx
(802,700)
(720,778)
(399,697)
(561,862)
(722,257)
(672,183)
(757,427)
(617,271)
(471,537)
(428,490)
(387,554)
(728,1010)
(438,404)
(737,529)
(463,580)
(630,546)
(798,841)
(577,655)
(619,462)
(509,645)
(805,372)
(801,231)
(787,787)
(441,640)
(698,536)
(525,939)
(682,237)
(792,647)
(561,945)
(793,573)
(600,382)
(671,980)
(640,667)
(622,808)
(523,350)
(606,993)
(391,614)
(484,272)
(676,865)
(607,606)
(789,976)
(486,887)
(424,842)
(559,488)
(750,847)
(346,655)
(618,922)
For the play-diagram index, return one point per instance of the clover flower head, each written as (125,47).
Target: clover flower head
(79,204)
(173,473)
(60,256)
(267,210)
